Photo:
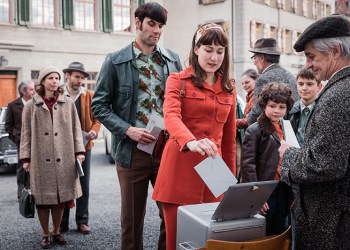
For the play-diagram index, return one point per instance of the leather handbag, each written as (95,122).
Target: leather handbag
(164,134)
(26,200)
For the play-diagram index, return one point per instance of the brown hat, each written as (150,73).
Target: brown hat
(335,25)
(266,46)
(46,71)
(76,66)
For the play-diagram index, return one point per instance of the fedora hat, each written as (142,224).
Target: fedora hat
(76,66)
(335,25)
(266,46)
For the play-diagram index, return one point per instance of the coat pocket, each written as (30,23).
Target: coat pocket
(193,103)
(224,107)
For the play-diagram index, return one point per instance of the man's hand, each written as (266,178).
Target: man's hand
(140,135)
(264,209)
(203,146)
(92,135)
(283,147)
(26,166)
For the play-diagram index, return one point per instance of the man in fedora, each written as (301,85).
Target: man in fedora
(75,75)
(266,58)
(321,167)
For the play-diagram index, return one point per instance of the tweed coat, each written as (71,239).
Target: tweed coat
(14,120)
(321,168)
(274,73)
(203,113)
(51,145)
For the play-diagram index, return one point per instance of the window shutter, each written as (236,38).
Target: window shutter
(67,6)
(141,2)
(23,12)
(107,19)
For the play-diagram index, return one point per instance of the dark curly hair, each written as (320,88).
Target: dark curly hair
(277,92)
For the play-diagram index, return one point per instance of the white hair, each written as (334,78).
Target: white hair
(325,45)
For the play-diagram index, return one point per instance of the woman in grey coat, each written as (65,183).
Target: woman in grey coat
(321,166)
(51,141)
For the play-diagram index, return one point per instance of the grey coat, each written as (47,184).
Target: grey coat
(115,99)
(274,73)
(51,145)
(321,168)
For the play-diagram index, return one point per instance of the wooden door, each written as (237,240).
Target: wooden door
(7,89)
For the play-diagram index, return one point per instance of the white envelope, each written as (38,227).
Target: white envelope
(216,175)
(289,135)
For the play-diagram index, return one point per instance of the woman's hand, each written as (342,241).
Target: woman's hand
(81,158)
(203,146)
(26,166)
(264,209)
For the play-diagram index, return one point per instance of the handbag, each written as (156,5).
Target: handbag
(26,200)
(164,134)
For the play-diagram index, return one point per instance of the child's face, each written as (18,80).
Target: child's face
(275,111)
(307,90)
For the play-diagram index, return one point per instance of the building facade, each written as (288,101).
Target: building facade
(37,33)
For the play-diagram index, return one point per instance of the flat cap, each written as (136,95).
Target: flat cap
(335,25)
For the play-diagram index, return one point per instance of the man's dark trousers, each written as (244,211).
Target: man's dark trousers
(134,182)
(82,203)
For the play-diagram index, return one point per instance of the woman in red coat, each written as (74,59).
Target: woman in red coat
(201,124)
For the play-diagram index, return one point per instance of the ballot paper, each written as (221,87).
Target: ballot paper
(79,168)
(289,135)
(155,125)
(85,140)
(216,174)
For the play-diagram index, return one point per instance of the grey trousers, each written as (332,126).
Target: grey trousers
(82,203)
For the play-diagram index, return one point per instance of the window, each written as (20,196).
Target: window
(4,11)
(35,76)
(122,15)
(90,82)
(286,5)
(84,11)
(287,41)
(43,12)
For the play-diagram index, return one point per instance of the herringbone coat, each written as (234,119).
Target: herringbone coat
(321,168)
(51,145)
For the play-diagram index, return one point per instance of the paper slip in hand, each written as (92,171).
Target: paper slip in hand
(289,135)
(216,175)
(85,140)
(79,168)
(155,125)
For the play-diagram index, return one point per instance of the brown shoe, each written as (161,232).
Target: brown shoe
(58,238)
(46,242)
(84,229)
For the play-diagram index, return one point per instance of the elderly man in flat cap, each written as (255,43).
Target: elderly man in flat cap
(321,167)
(266,58)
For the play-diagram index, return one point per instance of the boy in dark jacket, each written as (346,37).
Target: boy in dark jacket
(260,157)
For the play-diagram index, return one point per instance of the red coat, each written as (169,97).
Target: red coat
(203,113)
(243,123)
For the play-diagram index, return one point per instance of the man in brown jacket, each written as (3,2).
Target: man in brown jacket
(75,75)
(13,124)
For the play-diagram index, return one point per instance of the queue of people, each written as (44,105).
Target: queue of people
(198,105)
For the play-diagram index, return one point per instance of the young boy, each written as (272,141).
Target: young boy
(308,89)
(260,157)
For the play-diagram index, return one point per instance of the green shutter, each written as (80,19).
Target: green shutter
(107,19)
(141,2)
(67,17)
(23,11)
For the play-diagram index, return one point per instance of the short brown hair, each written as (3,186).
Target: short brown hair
(277,92)
(307,74)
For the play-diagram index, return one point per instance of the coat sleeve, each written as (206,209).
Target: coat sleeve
(172,112)
(103,98)
(249,155)
(228,145)
(77,133)
(9,123)
(26,131)
(96,124)
(325,153)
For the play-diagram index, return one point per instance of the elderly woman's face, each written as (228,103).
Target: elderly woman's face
(322,64)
